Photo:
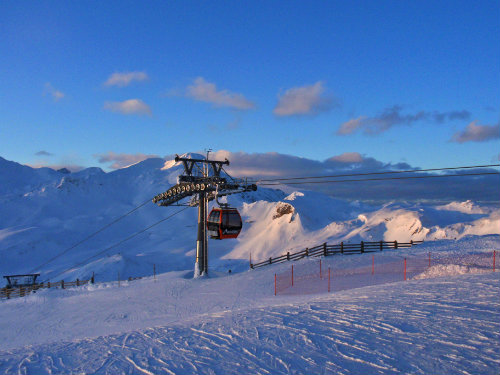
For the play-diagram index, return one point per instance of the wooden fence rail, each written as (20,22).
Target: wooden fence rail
(342,248)
(7,293)
(21,291)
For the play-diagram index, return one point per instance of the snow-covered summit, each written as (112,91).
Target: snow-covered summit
(467,207)
(43,212)
(17,178)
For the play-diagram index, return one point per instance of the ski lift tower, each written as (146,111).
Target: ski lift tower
(202,181)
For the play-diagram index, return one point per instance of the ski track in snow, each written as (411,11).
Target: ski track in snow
(233,324)
(435,326)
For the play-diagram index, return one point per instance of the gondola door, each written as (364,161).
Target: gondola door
(223,223)
(213,223)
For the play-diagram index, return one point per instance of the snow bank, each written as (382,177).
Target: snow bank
(442,270)
(418,327)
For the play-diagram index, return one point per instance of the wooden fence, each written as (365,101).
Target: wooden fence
(21,291)
(342,248)
(7,293)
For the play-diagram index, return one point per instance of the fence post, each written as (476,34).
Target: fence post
(48,284)
(274,284)
(342,247)
(325,253)
(288,256)
(328,279)
(381,245)
(362,247)
(396,244)
(307,251)
(405,270)
(62,284)
(77,282)
(411,242)
(292,274)
(92,278)
(373,264)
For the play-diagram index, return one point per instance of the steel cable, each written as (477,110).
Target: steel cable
(117,244)
(88,237)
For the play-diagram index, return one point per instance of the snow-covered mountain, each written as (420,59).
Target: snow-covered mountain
(43,212)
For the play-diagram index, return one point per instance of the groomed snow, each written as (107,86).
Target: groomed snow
(442,326)
(234,324)
(444,320)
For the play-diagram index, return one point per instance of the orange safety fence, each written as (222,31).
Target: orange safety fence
(329,275)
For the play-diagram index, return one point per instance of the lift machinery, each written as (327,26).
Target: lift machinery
(202,181)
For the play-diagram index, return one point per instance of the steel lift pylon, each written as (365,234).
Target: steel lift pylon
(202,181)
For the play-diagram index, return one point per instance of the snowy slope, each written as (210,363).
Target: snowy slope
(43,212)
(233,324)
(16,178)
(306,224)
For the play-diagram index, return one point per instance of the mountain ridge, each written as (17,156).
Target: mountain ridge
(45,212)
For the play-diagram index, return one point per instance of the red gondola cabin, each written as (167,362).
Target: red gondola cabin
(224,223)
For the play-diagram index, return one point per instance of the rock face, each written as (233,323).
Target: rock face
(283,209)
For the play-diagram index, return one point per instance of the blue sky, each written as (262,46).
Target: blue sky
(108,83)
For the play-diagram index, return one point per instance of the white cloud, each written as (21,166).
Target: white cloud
(305,100)
(348,157)
(129,107)
(393,116)
(52,91)
(276,165)
(122,160)
(204,91)
(477,133)
(125,79)
(352,125)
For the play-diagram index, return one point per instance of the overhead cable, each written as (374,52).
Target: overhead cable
(379,173)
(88,237)
(117,244)
(379,179)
